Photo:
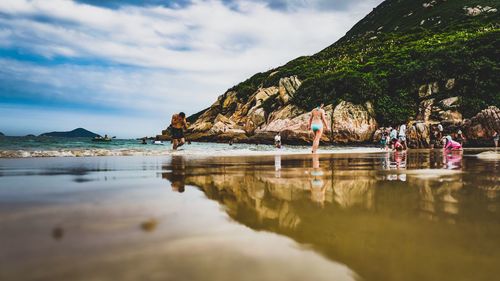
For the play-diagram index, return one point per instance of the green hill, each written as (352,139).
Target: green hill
(387,56)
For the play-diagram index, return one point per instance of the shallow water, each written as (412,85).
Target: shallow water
(28,147)
(358,216)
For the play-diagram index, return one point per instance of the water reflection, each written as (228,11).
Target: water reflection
(177,176)
(401,209)
(318,186)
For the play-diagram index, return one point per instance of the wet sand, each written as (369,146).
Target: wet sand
(364,216)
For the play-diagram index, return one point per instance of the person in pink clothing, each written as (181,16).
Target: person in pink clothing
(451,144)
(397,146)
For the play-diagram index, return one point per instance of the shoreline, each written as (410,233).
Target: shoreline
(209,152)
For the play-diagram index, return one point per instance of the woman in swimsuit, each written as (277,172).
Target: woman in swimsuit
(316,123)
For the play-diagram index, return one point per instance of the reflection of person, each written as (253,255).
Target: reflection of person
(318,185)
(177,176)
(178,124)
(317,123)
(399,160)
(277,166)
(452,160)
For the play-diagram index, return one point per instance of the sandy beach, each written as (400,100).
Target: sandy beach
(271,217)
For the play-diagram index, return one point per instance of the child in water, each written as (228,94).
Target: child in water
(396,144)
(383,140)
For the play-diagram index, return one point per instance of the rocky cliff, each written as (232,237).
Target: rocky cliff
(408,61)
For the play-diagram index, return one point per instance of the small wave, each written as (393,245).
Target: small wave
(203,151)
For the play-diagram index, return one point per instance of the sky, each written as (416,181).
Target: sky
(123,67)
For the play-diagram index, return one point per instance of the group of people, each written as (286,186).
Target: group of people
(394,138)
(391,138)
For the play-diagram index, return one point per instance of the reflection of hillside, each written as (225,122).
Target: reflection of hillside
(365,216)
(353,188)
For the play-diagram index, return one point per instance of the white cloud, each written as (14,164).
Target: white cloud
(177,58)
(213,35)
(133,89)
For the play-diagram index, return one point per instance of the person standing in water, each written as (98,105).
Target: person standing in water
(402,135)
(277,140)
(317,123)
(496,136)
(178,124)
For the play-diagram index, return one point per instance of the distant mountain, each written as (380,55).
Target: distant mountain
(1,134)
(76,133)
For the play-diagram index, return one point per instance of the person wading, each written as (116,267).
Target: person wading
(317,123)
(178,125)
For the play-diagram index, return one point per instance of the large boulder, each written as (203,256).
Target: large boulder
(287,112)
(480,128)
(427,90)
(292,123)
(256,117)
(418,135)
(353,123)
(446,111)
(425,110)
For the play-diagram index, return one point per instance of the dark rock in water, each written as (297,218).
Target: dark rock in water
(30,136)
(76,133)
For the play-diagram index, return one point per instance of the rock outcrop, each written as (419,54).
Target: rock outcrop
(287,87)
(419,135)
(231,118)
(481,127)
(268,111)
(353,123)
(478,10)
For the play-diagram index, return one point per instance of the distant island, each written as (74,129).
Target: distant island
(76,133)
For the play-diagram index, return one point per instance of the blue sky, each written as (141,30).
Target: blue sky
(124,67)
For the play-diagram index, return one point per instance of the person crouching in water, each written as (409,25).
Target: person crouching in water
(178,125)
(450,144)
(396,145)
(277,140)
(317,123)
